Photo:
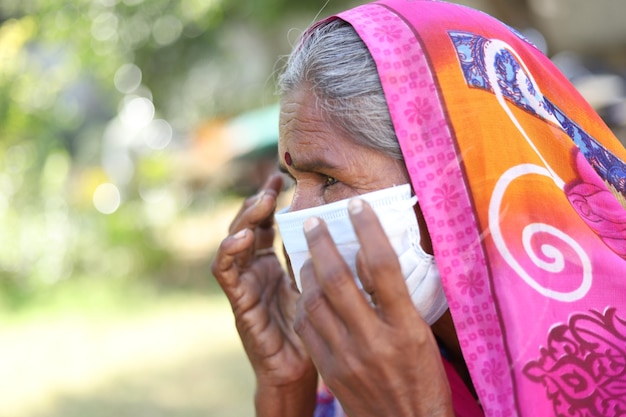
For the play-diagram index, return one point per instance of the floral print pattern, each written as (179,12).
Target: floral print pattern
(471,284)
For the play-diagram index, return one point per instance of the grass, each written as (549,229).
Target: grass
(93,349)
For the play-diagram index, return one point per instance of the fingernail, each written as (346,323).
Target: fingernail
(241,234)
(355,205)
(311,223)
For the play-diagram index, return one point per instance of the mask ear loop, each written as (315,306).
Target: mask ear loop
(416,238)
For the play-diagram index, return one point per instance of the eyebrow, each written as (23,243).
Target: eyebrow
(307,166)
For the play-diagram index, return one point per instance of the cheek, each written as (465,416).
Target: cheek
(339,192)
(312,194)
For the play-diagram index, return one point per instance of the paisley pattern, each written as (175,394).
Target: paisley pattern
(583,366)
(610,168)
(471,53)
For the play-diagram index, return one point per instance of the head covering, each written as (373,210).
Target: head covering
(523,188)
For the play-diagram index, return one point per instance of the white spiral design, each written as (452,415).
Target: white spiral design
(553,259)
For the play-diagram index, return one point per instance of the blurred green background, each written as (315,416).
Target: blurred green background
(130,131)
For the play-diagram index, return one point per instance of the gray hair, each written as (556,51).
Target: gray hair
(336,64)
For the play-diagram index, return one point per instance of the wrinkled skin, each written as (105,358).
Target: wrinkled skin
(263,300)
(378,361)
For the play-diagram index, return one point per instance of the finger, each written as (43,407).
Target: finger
(224,267)
(272,187)
(319,313)
(256,214)
(367,281)
(335,278)
(272,183)
(380,262)
(316,346)
(258,209)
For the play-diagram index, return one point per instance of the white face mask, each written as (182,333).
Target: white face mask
(394,208)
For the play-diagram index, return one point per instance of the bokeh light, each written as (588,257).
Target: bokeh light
(107,198)
(166,30)
(137,112)
(127,78)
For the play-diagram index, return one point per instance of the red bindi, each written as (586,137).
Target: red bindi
(288,158)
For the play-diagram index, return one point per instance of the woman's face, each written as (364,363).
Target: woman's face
(324,162)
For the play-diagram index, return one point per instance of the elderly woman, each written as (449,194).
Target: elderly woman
(418,131)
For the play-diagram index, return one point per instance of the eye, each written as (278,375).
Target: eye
(328,181)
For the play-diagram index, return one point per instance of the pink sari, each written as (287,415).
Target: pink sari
(523,188)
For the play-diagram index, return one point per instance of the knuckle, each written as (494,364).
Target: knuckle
(383,261)
(337,277)
(313,301)
(420,336)
(244,324)
(307,271)
(301,324)
(215,269)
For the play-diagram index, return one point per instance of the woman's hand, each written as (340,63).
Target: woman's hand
(263,300)
(381,361)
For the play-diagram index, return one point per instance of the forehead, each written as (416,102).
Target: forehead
(317,145)
(300,114)
(304,128)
